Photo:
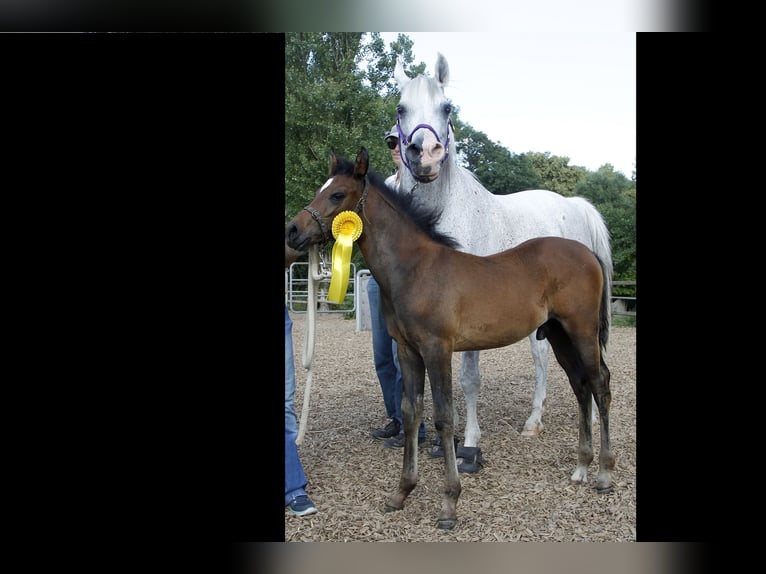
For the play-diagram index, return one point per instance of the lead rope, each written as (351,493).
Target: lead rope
(316,273)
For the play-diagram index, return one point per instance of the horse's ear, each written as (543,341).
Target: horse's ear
(362,163)
(441,74)
(400,75)
(333,162)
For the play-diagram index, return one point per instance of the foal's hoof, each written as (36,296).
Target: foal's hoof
(604,489)
(447,523)
(469,459)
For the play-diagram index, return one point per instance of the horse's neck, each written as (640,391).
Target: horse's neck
(452,193)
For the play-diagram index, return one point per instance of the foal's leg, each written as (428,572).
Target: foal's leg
(440,377)
(589,378)
(585,445)
(570,359)
(413,381)
(603,398)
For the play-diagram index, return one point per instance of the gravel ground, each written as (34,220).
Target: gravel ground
(522,493)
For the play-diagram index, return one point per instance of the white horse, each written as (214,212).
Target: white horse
(482,222)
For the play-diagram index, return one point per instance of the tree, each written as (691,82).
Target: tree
(556,173)
(500,171)
(339,94)
(615,197)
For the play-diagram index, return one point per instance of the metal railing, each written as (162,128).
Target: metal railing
(297,291)
(296,294)
(623,304)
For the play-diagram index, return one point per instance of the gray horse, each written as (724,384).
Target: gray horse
(483,223)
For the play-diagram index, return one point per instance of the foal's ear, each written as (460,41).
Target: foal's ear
(362,163)
(333,162)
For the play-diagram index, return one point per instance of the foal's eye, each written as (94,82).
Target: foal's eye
(338,196)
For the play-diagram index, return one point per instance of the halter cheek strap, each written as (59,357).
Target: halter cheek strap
(326,232)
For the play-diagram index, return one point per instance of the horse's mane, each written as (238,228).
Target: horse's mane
(425,218)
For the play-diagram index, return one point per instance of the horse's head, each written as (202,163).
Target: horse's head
(343,191)
(423,121)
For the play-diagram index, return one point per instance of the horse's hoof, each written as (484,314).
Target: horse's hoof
(532,430)
(447,523)
(470,459)
(604,489)
(389,508)
(437,451)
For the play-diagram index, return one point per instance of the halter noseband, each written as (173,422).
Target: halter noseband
(326,233)
(404,140)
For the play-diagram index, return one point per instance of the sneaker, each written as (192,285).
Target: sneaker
(302,506)
(391,429)
(398,441)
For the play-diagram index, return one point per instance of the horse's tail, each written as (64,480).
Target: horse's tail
(604,312)
(600,243)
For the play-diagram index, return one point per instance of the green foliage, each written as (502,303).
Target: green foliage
(339,95)
(498,169)
(555,172)
(623,321)
(615,197)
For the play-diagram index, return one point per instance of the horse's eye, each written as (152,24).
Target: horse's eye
(338,196)
(447,109)
(400,109)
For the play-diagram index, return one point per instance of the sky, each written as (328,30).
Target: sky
(569,94)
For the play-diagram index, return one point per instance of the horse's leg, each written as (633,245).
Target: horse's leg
(413,381)
(570,357)
(603,398)
(534,424)
(585,445)
(440,377)
(470,381)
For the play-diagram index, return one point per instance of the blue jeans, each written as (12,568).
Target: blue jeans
(386,358)
(295,478)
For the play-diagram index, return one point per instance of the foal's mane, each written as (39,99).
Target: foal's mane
(425,218)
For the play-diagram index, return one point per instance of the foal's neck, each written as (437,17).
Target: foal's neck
(390,239)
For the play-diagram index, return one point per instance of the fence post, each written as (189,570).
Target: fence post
(363,320)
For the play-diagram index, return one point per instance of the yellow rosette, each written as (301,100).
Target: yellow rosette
(346,228)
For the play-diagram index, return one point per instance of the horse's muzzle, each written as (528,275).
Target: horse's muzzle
(295,239)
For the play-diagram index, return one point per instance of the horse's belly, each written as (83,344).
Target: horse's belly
(493,336)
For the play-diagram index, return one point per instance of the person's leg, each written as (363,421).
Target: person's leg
(397,390)
(386,361)
(295,478)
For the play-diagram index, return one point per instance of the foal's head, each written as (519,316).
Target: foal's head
(343,191)
(346,190)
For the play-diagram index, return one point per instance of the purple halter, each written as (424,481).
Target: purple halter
(404,140)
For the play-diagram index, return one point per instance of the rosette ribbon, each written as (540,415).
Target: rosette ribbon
(346,228)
